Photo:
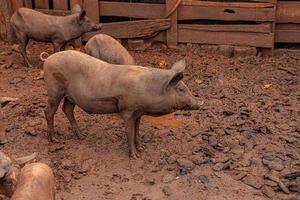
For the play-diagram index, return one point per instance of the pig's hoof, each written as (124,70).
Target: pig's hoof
(140,148)
(134,155)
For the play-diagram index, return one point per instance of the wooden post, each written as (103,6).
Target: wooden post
(92,9)
(42,4)
(6,10)
(172,35)
(60,4)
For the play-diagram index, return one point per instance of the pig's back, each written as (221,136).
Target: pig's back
(36,182)
(108,49)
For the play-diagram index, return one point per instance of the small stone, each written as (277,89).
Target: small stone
(239,176)
(150,182)
(253,181)
(147,137)
(226,50)
(270,183)
(203,179)
(85,167)
(275,164)
(268,191)
(15,48)
(30,131)
(56,148)
(194,133)
(67,164)
(168,177)
(171,159)
(244,51)
(167,190)
(201,161)
(185,163)
(218,167)
(209,48)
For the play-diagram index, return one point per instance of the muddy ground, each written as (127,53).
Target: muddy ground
(244,142)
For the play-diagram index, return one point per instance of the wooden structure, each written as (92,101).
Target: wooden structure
(258,23)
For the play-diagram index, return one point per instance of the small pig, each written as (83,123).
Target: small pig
(35,182)
(106,48)
(8,176)
(102,88)
(30,24)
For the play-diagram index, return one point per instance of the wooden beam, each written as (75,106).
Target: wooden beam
(42,4)
(135,10)
(92,9)
(287,36)
(132,29)
(190,12)
(16,4)
(253,28)
(188,35)
(288,12)
(60,4)
(28,3)
(226,4)
(172,37)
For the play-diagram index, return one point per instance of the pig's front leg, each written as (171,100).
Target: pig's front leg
(23,41)
(130,131)
(139,147)
(58,46)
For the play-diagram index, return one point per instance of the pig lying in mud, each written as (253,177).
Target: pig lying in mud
(33,182)
(102,88)
(30,24)
(106,48)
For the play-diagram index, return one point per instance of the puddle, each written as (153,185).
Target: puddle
(168,120)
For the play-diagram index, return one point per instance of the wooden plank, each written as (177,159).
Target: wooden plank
(172,37)
(60,4)
(226,4)
(92,9)
(288,12)
(268,1)
(28,3)
(135,10)
(253,28)
(187,35)
(287,26)
(287,36)
(161,37)
(42,4)
(132,29)
(16,4)
(226,13)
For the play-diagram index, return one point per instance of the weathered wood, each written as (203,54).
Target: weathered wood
(6,10)
(287,36)
(135,10)
(92,9)
(226,4)
(172,37)
(226,13)
(43,4)
(28,3)
(60,4)
(161,37)
(188,35)
(132,29)
(16,4)
(288,12)
(288,26)
(254,28)
(267,1)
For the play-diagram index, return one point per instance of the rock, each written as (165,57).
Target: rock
(56,148)
(168,177)
(269,192)
(30,131)
(239,176)
(271,183)
(275,164)
(253,181)
(214,143)
(171,167)
(85,167)
(226,50)
(15,48)
(279,182)
(244,51)
(136,45)
(147,137)
(185,163)
(201,161)
(150,182)
(218,166)
(167,190)
(67,164)
(194,133)
(16,80)
(204,179)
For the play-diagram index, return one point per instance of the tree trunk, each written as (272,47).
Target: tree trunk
(6,10)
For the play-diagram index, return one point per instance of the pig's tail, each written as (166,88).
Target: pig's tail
(43,56)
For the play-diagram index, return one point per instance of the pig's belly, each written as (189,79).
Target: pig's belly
(97,106)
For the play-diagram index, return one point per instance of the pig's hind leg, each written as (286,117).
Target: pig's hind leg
(130,131)
(68,108)
(138,145)
(23,40)
(53,103)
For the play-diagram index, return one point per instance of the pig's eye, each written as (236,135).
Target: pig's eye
(180,89)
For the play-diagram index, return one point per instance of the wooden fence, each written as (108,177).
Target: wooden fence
(258,23)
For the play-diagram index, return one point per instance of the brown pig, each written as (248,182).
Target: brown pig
(102,88)
(35,182)
(30,24)
(106,48)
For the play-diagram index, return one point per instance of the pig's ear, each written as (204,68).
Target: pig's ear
(81,16)
(76,9)
(179,66)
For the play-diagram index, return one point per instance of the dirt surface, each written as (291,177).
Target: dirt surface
(244,142)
